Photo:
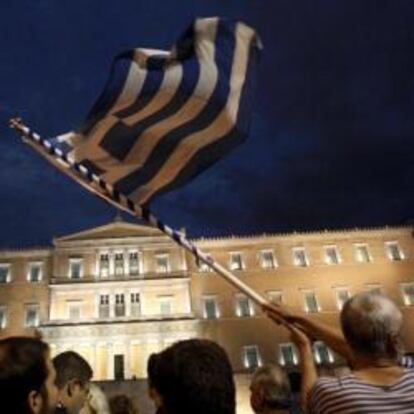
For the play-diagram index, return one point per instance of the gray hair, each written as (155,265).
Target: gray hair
(97,402)
(371,323)
(274,384)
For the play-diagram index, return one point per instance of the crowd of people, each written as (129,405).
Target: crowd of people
(195,376)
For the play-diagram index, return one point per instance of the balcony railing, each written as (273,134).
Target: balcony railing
(142,318)
(118,278)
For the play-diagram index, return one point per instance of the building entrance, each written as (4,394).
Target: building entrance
(119,367)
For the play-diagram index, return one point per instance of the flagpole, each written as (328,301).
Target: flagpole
(104,190)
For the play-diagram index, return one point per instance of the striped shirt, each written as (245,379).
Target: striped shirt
(349,395)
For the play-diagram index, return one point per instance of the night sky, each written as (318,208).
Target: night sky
(331,144)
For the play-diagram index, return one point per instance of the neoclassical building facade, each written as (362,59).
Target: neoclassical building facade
(119,292)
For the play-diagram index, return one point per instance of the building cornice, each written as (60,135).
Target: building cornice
(304,235)
(121,321)
(64,284)
(29,252)
(149,242)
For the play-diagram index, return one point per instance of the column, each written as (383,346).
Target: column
(127,298)
(112,305)
(101,361)
(128,359)
(183,260)
(126,262)
(141,262)
(93,353)
(97,269)
(96,308)
(111,257)
(189,310)
(110,361)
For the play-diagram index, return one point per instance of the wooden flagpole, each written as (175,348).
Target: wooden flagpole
(104,190)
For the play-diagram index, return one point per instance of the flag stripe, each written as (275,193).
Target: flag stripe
(150,88)
(220,129)
(214,151)
(204,157)
(115,84)
(165,106)
(119,140)
(217,101)
(169,115)
(148,140)
(135,82)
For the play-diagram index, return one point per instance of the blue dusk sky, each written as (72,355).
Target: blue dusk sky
(331,142)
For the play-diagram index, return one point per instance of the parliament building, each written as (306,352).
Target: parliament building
(118,292)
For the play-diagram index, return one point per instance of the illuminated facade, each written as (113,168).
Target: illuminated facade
(118,292)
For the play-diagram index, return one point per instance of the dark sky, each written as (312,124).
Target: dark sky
(331,144)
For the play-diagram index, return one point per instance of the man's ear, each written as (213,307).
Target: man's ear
(394,345)
(35,401)
(70,387)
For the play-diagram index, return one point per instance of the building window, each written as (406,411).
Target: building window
(311,304)
(407,360)
(332,255)
(322,353)
(394,251)
(133,263)
(104,265)
(244,306)
(35,272)
(204,267)
(119,305)
(267,259)
(3,317)
(251,357)
(210,308)
(299,257)
(236,261)
(74,310)
(104,306)
(163,263)
(32,316)
(5,274)
(166,305)
(75,268)
(408,293)
(287,355)
(275,296)
(362,254)
(119,264)
(342,295)
(135,304)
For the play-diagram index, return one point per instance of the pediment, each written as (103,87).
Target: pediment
(114,230)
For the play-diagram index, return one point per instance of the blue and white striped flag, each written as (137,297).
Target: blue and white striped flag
(166,116)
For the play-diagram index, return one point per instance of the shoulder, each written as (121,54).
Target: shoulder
(409,373)
(327,383)
(324,389)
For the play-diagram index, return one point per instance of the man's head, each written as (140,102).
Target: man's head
(270,390)
(192,376)
(371,323)
(27,377)
(73,374)
(96,403)
(121,404)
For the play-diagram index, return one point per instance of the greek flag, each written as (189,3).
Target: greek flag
(165,116)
